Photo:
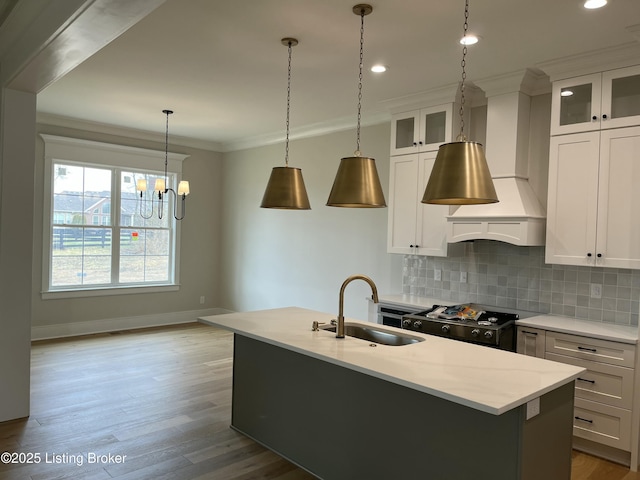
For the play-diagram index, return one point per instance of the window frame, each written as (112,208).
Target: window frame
(115,157)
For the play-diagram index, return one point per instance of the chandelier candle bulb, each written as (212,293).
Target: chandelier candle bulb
(183,188)
(160,185)
(141,185)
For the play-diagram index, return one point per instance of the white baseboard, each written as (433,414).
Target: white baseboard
(44,332)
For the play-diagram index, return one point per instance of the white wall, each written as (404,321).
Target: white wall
(275,258)
(17,129)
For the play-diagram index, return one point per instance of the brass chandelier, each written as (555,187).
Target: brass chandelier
(162,188)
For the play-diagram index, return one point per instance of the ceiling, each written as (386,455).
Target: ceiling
(220,65)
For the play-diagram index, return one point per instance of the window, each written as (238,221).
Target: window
(100,236)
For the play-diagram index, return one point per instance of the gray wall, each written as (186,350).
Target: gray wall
(504,275)
(199,252)
(275,258)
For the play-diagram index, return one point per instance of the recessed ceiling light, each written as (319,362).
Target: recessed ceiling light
(566,93)
(469,40)
(378,68)
(591,4)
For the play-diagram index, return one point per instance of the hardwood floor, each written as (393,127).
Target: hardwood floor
(161,399)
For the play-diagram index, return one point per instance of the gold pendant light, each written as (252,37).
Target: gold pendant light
(460,174)
(357,184)
(285,189)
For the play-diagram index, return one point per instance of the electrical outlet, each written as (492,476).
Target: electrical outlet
(596,290)
(533,408)
(202,300)
(463,277)
(437,274)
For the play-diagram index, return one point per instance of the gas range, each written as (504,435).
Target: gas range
(469,323)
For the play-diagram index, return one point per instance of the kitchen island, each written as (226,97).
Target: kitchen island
(347,408)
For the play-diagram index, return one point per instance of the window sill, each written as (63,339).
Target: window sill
(102,292)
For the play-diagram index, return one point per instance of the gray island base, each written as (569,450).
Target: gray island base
(338,423)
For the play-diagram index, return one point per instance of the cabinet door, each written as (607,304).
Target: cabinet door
(431,227)
(531,342)
(573,199)
(576,104)
(621,97)
(405,133)
(403,204)
(618,229)
(435,127)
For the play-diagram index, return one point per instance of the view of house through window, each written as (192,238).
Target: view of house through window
(103,233)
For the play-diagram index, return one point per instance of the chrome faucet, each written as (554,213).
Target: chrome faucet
(374,291)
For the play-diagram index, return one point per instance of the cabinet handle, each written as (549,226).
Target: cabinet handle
(583,419)
(589,254)
(528,332)
(415,144)
(420,142)
(586,380)
(604,117)
(599,255)
(588,349)
(594,117)
(417,246)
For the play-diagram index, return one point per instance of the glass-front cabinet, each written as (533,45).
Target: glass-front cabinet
(599,101)
(421,130)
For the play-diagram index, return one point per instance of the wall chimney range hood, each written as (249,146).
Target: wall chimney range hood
(518,218)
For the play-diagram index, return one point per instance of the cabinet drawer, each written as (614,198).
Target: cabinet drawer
(602,423)
(608,384)
(604,351)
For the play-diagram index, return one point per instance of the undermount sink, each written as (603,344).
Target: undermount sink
(375,335)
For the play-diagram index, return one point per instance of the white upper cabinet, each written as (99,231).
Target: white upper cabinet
(414,227)
(421,130)
(598,101)
(592,216)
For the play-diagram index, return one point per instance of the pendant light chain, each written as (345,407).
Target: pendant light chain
(286,151)
(166,147)
(362,13)
(463,64)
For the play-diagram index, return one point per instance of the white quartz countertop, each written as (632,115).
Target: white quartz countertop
(574,326)
(487,379)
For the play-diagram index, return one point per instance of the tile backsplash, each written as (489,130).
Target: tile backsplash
(504,275)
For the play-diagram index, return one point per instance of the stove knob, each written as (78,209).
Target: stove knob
(446,328)
(417,324)
(475,332)
(488,334)
(406,323)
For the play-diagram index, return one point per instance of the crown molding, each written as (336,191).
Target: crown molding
(445,94)
(312,130)
(103,128)
(527,81)
(610,58)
